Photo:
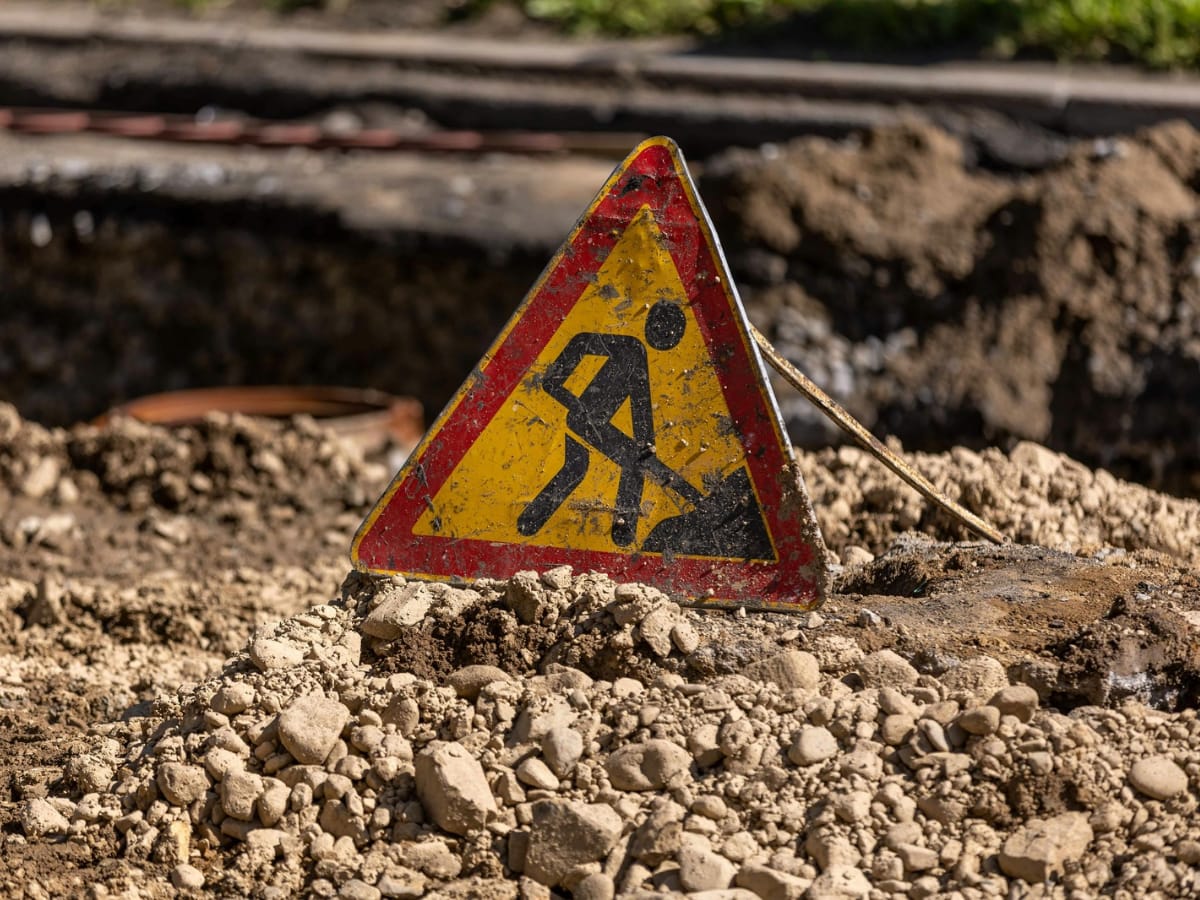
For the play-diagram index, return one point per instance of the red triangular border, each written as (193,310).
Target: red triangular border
(654,175)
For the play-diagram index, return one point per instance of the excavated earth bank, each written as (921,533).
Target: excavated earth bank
(197,700)
(945,302)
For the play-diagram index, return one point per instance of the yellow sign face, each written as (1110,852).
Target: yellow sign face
(525,443)
(621,423)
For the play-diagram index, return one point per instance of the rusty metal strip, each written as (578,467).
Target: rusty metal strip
(368,417)
(871,444)
(185,129)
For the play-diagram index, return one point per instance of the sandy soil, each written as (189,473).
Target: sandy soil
(168,594)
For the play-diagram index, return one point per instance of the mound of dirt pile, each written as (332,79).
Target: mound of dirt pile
(189,703)
(310,765)
(947,305)
(1033,495)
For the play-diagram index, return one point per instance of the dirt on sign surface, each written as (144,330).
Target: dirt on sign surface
(195,696)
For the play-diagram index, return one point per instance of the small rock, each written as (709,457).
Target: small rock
(1188,852)
(357,889)
(840,883)
(1018,700)
(1040,848)
(830,849)
(982,677)
(565,834)
(771,884)
(704,745)
(39,817)
(868,618)
(793,670)
(934,734)
(703,870)
(452,787)
(89,773)
(627,687)
(399,609)
(886,668)
(42,478)
(187,878)
(856,556)
(597,886)
(863,760)
(537,774)
(403,712)
(174,843)
(1158,777)
(232,698)
(239,792)
(1029,455)
(982,720)
(685,638)
(181,784)
(852,807)
(470,680)
(658,838)
(710,806)
(647,766)
(268,653)
(401,884)
(562,747)
(272,802)
(310,727)
(916,859)
(655,629)
(524,596)
(812,745)
(219,762)
(895,729)
(895,703)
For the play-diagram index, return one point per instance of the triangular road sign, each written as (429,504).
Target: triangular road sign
(621,423)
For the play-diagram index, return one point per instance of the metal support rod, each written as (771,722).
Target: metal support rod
(870,443)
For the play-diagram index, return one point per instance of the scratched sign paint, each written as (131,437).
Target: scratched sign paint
(621,423)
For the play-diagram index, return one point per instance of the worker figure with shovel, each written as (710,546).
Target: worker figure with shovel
(718,519)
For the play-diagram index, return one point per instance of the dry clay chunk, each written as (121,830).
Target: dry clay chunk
(1041,848)
(310,727)
(647,766)
(792,670)
(566,834)
(180,783)
(452,787)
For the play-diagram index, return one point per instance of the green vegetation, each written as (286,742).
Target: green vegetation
(1161,33)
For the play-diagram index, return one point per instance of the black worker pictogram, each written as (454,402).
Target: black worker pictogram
(726,522)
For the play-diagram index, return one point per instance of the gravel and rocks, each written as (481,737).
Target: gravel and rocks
(757,783)
(1010,722)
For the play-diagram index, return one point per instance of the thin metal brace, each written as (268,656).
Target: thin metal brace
(870,443)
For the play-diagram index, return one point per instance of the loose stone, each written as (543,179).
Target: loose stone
(182,784)
(1018,700)
(812,745)
(1158,777)
(310,727)
(1041,848)
(565,834)
(452,787)
(648,766)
